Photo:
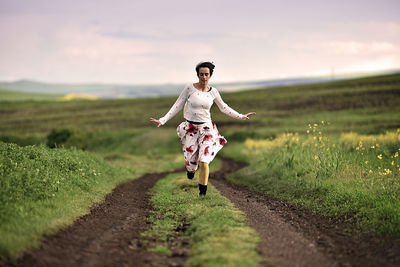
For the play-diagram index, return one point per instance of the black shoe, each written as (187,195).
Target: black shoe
(202,189)
(190,175)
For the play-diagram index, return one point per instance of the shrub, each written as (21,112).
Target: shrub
(58,137)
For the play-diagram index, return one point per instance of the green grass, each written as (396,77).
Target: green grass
(216,229)
(11,96)
(330,175)
(43,189)
(347,104)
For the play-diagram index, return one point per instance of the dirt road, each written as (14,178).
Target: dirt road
(110,234)
(291,236)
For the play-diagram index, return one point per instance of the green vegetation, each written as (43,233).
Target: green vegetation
(42,189)
(10,96)
(354,176)
(367,105)
(116,138)
(216,229)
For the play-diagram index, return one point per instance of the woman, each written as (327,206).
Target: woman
(199,136)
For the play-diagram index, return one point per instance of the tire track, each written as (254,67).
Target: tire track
(108,236)
(291,236)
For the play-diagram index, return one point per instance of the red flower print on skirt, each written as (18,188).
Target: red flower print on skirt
(201,143)
(192,129)
(206,152)
(207,137)
(189,149)
(222,141)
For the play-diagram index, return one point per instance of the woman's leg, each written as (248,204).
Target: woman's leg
(203,173)
(203,177)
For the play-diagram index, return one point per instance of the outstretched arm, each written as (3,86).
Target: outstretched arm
(228,110)
(178,105)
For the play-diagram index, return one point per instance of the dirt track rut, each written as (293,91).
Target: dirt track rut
(108,236)
(291,236)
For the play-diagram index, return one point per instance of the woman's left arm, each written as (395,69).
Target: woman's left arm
(228,110)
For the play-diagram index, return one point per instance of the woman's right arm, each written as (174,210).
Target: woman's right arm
(179,103)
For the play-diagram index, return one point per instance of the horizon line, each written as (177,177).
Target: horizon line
(332,75)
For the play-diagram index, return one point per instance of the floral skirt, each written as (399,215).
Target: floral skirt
(200,143)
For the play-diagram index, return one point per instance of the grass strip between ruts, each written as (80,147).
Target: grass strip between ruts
(217,232)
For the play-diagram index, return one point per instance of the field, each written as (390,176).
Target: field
(330,148)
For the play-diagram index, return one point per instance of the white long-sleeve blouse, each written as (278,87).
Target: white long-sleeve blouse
(197,105)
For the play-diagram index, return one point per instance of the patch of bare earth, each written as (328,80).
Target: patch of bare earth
(291,236)
(109,235)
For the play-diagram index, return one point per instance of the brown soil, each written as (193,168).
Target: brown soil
(291,236)
(109,235)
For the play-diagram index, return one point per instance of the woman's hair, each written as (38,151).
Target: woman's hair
(205,64)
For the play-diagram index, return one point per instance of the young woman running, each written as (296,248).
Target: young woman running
(199,135)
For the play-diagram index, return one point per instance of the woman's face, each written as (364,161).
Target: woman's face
(204,75)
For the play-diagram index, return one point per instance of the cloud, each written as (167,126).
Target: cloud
(348,48)
(141,44)
(69,51)
(354,47)
(383,63)
(86,44)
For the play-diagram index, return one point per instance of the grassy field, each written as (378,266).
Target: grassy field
(12,96)
(368,105)
(216,229)
(43,189)
(285,159)
(353,176)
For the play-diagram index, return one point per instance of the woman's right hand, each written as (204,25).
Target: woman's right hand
(247,116)
(156,121)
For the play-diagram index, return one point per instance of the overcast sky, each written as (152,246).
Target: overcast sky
(132,41)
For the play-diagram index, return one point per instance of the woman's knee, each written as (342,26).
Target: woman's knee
(203,164)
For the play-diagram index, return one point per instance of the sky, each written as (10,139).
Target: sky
(148,42)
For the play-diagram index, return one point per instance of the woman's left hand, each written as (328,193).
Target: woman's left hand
(159,124)
(246,116)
